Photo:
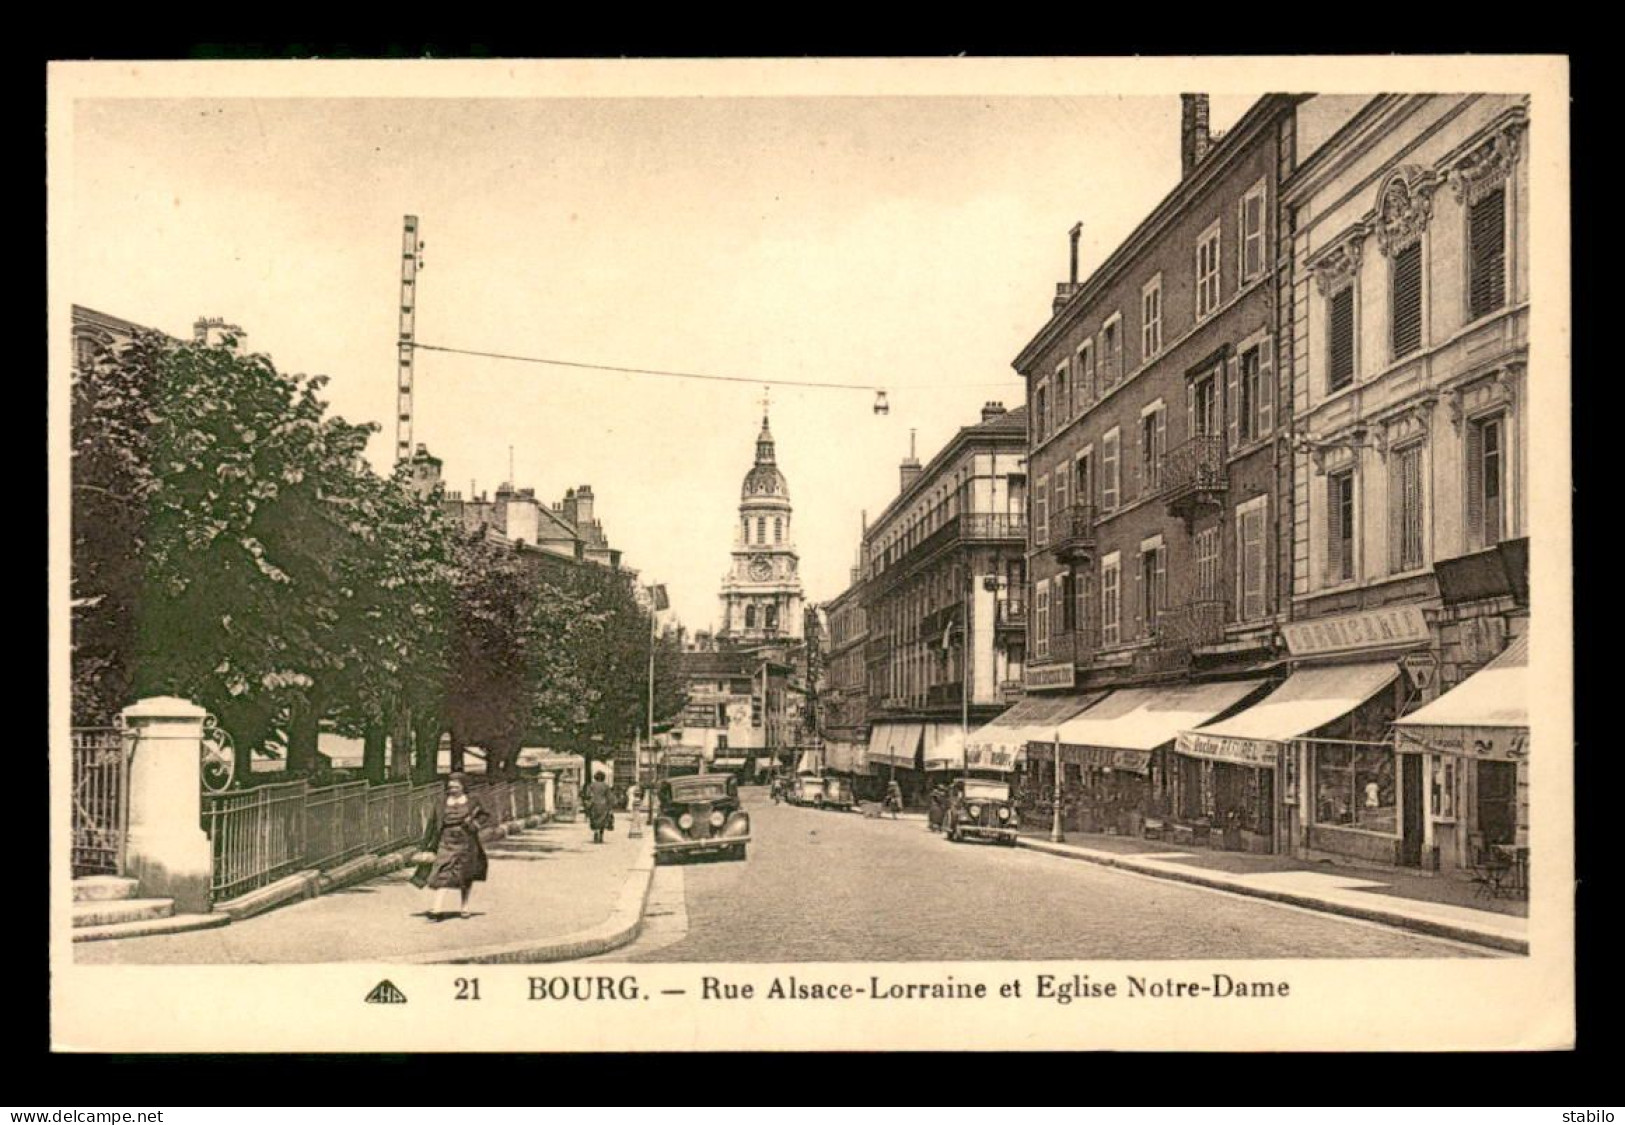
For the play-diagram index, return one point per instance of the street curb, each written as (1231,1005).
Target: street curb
(1430,926)
(312,883)
(622,927)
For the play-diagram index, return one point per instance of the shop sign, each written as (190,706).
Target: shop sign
(1255,752)
(1422,667)
(988,757)
(1501,744)
(1048,676)
(682,757)
(1351,632)
(1107,758)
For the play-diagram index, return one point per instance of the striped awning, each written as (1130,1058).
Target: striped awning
(1001,744)
(894,744)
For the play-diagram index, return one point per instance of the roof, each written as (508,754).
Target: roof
(1190,188)
(1012,424)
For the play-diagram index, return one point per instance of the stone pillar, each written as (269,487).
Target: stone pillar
(549,798)
(167,850)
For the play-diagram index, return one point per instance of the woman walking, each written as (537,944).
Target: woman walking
(600,809)
(459,858)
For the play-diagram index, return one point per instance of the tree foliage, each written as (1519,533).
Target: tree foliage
(230,545)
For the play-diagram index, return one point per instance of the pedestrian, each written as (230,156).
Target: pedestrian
(600,809)
(894,797)
(939,802)
(456,857)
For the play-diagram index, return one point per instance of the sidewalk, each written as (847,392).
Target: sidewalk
(552,895)
(1440,904)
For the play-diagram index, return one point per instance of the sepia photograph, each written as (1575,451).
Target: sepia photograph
(933,542)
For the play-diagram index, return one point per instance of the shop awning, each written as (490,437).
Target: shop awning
(846,757)
(893,744)
(1142,719)
(1307,700)
(944,746)
(1487,714)
(1002,743)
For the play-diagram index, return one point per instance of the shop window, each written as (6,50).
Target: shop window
(1354,788)
(1444,788)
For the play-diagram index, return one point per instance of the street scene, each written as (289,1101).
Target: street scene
(772,530)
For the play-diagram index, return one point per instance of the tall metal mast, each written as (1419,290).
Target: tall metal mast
(411,263)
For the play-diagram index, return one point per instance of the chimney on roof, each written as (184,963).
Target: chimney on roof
(584,504)
(992,410)
(1194,137)
(909,471)
(1065,289)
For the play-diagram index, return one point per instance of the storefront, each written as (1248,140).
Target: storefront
(849,758)
(1115,755)
(1472,744)
(943,750)
(1001,745)
(894,755)
(1240,775)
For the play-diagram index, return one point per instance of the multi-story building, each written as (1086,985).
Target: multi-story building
(1409,336)
(739,714)
(845,689)
(1157,475)
(761,593)
(945,576)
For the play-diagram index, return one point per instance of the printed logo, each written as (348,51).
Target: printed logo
(385,992)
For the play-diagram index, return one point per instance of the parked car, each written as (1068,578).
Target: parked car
(700,814)
(807,789)
(838,794)
(980,810)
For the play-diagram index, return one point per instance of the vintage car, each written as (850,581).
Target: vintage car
(838,794)
(806,789)
(978,809)
(700,814)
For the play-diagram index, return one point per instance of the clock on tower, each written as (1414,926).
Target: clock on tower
(761,595)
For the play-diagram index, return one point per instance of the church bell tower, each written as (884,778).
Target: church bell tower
(761,593)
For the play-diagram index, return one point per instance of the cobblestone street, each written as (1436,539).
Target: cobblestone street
(827,886)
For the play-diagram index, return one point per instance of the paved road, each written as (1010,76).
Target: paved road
(827,886)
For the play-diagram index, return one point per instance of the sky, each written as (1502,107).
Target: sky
(907,243)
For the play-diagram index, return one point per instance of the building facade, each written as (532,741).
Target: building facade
(943,606)
(845,689)
(1158,472)
(1409,334)
(761,593)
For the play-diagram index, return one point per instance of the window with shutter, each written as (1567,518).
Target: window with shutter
(1207,564)
(1340,338)
(1041,511)
(1485,482)
(1486,254)
(1251,558)
(1252,233)
(1207,272)
(1061,498)
(1110,576)
(1232,400)
(1405,509)
(1085,491)
(1109,474)
(1247,404)
(1406,299)
(1340,527)
(1203,404)
(1081,613)
(1041,620)
(1084,389)
(1041,411)
(1151,317)
(1266,387)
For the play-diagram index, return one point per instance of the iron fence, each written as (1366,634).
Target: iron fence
(101,800)
(257,836)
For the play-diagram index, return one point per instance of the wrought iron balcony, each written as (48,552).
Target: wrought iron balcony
(1011,613)
(1178,631)
(1072,537)
(1193,477)
(982,527)
(942,695)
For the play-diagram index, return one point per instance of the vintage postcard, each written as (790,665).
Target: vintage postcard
(811,554)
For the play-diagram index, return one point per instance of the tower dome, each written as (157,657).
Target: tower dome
(764,480)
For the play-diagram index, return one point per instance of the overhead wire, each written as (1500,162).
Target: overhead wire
(869,388)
